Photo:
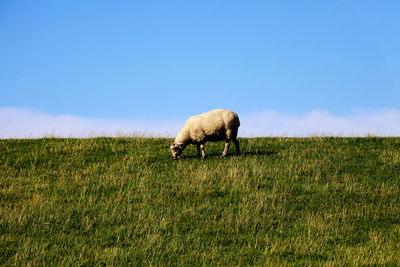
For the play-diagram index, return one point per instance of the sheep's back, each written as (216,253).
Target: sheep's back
(212,125)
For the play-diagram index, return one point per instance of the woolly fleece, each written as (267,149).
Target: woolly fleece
(214,125)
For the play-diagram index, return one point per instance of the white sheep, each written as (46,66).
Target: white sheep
(215,125)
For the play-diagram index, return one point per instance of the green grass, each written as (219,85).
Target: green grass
(118,201)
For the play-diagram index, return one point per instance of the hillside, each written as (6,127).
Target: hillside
(125,201)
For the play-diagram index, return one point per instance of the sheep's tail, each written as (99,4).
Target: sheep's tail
(237,117)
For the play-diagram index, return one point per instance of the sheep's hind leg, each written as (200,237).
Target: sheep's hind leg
(236,142)
(227,144)
(232,135)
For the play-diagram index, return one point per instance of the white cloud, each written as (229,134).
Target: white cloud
(27,123)
(358,123)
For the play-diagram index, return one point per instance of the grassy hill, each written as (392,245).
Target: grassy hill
(124,201)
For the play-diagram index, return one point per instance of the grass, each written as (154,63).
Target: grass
(119,201)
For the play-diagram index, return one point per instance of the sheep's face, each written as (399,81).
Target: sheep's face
(176,151)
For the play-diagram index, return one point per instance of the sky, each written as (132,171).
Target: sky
(293,68)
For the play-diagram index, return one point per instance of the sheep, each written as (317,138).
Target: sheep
(214,125)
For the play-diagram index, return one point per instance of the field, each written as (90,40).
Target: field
(117,201)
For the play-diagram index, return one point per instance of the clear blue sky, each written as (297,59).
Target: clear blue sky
(159,59)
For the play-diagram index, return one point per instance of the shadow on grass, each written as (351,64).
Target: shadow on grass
(257,153)
(242,154)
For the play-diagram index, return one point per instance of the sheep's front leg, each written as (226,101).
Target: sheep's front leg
(198,150)
(227,144)
(203,154)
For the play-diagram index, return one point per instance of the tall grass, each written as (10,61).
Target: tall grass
(117,201)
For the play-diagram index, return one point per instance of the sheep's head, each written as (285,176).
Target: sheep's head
(176,150)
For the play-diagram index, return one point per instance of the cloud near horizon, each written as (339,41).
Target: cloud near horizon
(359,122)
(28,123)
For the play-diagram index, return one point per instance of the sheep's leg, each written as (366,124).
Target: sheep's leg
(198,150)
(236,142)
(227,144)
(203,154)
(231,134)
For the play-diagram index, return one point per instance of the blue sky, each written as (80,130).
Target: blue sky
(159,60)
